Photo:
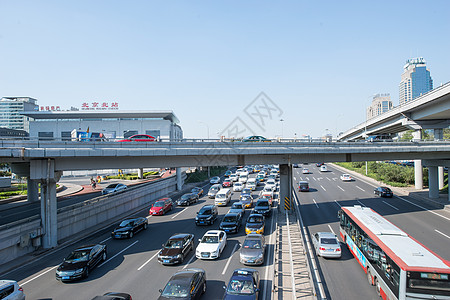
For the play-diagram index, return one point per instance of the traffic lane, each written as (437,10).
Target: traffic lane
(336,285)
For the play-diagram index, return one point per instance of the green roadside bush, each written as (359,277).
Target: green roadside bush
(199,176)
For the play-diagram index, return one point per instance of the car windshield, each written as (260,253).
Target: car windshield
(238,184)
(229,219)
(246,198)
(328,241)
(246,191)
(176,289)
(76,256)
(252,244)
(240,287)
(185,197)
(174,244)
(126,223)
(213,189)
(210,239)
(255,219)
(159,204)
(303,185)
(236,206)
(205,211)
(111,186)
(262,204)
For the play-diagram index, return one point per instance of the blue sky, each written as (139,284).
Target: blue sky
(320,62)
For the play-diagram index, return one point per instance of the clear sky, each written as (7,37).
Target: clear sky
(320,62)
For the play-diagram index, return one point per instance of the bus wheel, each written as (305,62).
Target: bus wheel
(377,287)
(369,277)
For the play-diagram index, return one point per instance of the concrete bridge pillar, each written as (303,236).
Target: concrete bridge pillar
(418,169)
(140,173)
(32,190)
(179,179)
(441,177)
(44,172)
(285,186)
(438,134)
(433,184)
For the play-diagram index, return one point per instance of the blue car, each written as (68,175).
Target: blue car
(244,284)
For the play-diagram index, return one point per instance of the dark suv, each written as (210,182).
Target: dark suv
(187,199)
(231,222)
(207,215)
(262,207)
(383,192)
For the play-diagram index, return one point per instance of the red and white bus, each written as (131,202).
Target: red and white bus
(399,266)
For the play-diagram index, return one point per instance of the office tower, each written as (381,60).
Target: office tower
(416,80)
(380,103)
(10,109)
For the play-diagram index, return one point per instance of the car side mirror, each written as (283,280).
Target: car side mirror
(160,290)
(199,240)
(224,287)
(197,213)
(162,245)
(256,289)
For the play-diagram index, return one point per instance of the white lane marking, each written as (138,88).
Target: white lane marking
(315,203)
(179,213)
(331,229)
(361,203)
(105,240)
(442,233)
(323,188)
(295,178)
(117,254)
(189,262)
(37,276)
(301,178)
(341,188)
(143,265)
(229,259)
(307,178)
(334,178)
(328,179)
(314,178)
(269,262)
(423,208)
(391,205)
(337,203)
(360,188)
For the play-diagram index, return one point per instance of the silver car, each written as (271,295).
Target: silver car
(326,244)
(10,290)
(253,249)
(213,190)
(113,188)
(214,180)
(238,208)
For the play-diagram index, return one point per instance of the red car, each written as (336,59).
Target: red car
(139,138)
(161,206)
(227,183)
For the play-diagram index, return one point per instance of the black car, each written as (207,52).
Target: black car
(383,192)
(262,207)
(176,248)
(231,222)
(187,199)
(113,296)
(207,215)
(80,262)
(128,227)
(185,284)
(244,284)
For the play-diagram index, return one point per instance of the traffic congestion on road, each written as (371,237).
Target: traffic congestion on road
(217,240)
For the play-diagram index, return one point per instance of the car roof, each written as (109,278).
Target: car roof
(254,236)
(178,236)
(244,272)
(86,247)
(208,206)
(236,203)
(213,232)
(187,273)
(261,200)
(326,234)
(5,283)
(231,214)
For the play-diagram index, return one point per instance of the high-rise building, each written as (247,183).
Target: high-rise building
(416,80)
(10,109)
(380,103)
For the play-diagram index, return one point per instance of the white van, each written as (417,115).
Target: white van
(223,197)
(243,177)
(251,183)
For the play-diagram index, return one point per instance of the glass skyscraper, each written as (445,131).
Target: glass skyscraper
(380,103)
(416,80)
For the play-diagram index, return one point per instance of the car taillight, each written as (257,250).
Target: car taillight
(322,249)
(338,250)
(20,288)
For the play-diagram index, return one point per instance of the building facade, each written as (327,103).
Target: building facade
(380,103)
(11,109)
(416,80)
(116,124)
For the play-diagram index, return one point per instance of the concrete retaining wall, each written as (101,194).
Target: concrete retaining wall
(23,237)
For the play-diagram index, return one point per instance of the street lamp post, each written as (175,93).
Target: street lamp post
(281,120)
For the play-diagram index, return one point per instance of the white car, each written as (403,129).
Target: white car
(211,244)
(323,168)
(346,177)
(326,244)
(215,180)
(305,171)
(234,177)
(238,187)
(251,185)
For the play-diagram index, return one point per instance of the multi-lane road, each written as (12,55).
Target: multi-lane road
(132,264)
(344,278)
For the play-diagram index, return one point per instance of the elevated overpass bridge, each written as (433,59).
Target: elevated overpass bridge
(429,111)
